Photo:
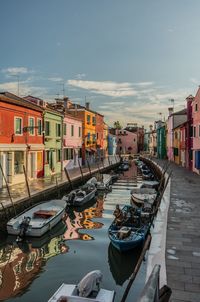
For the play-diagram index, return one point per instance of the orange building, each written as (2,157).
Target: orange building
(88,118)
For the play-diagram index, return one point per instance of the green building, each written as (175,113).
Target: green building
(161,141)
(53,121)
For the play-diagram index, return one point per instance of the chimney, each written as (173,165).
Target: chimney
(87,105)
(170,110)
(65,102)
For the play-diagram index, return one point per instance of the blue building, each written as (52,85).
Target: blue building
(112,144)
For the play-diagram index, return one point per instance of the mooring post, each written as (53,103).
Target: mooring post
(109,161)
(68,177)
(80,170)
(4,177)
(89,167)
(26,179)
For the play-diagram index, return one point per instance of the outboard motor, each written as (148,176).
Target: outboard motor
(24,226)
(90,283)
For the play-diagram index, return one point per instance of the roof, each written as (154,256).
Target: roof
(181,112)
(10,98)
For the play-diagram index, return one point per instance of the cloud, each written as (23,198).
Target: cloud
(143,84)
(107,88)
(15,70)
(194,81)
(80,76)
(55,79)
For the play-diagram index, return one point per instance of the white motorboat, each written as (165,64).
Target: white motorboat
(37,220)
(104,184)
(81,195)
(88,290)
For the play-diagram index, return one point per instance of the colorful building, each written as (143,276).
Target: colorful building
(100,135)
(161,140)
(189,134)
(196,132)
(112,144)
(126,142)
(105,140)
(88,118)
(53,124)
(21,139)
(72,141)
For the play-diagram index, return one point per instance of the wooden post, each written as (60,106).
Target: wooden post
(102,162)
(7,188)
(80,170)
(132,278)
(89,167)
(68,177)
(26,179)
(58,191)
(109,160)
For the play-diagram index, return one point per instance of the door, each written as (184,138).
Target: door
(32,166)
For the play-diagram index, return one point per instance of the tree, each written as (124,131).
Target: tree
(117,125)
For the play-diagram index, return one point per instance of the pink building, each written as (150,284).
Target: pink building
(196,132)
(126,142)
(72,141)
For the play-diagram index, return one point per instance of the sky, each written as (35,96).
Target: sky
(128,58)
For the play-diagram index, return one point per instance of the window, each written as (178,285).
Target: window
(31,126)
(65,129)
(196,107)
(72,130)
(97,135)
(199,130)
(94,138)
(79,131)
(175,151)
(18,125)
(93,120)
(47,128)
(58,130)
(39,124)
(58,155)
(18,162)
(88,119)
(194,131)
(88,136)
(68,154)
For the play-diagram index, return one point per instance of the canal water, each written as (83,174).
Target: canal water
(34,270)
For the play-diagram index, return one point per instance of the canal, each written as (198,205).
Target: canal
(34,270)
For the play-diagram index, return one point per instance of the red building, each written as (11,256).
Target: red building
(21,138)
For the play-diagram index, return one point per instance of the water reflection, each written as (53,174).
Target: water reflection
(76,220)
(21,262)
(122,265)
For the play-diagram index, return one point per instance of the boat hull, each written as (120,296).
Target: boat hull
(37,227)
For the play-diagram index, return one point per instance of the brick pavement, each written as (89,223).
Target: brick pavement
(183,235)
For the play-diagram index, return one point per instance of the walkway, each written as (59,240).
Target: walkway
(20,191)
(183,235)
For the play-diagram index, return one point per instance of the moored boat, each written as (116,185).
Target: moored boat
(88,289)
(37,220)
(132,230)
(81,195)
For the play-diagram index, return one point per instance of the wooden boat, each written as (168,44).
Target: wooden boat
(81,196)
(88,290)
(150,184)
(37,220)
(142,197)
(123,167)
(132,231)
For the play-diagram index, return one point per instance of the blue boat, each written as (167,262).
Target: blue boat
(132,232)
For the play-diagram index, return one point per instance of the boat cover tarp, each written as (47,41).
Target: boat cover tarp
(89,283)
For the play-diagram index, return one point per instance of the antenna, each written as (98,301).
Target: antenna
(172,102)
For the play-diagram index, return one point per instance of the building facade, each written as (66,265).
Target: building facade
(21,139)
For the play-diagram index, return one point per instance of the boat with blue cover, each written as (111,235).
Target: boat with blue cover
(131,232)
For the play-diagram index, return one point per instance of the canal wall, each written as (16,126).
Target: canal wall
(54,191)
(157,250)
